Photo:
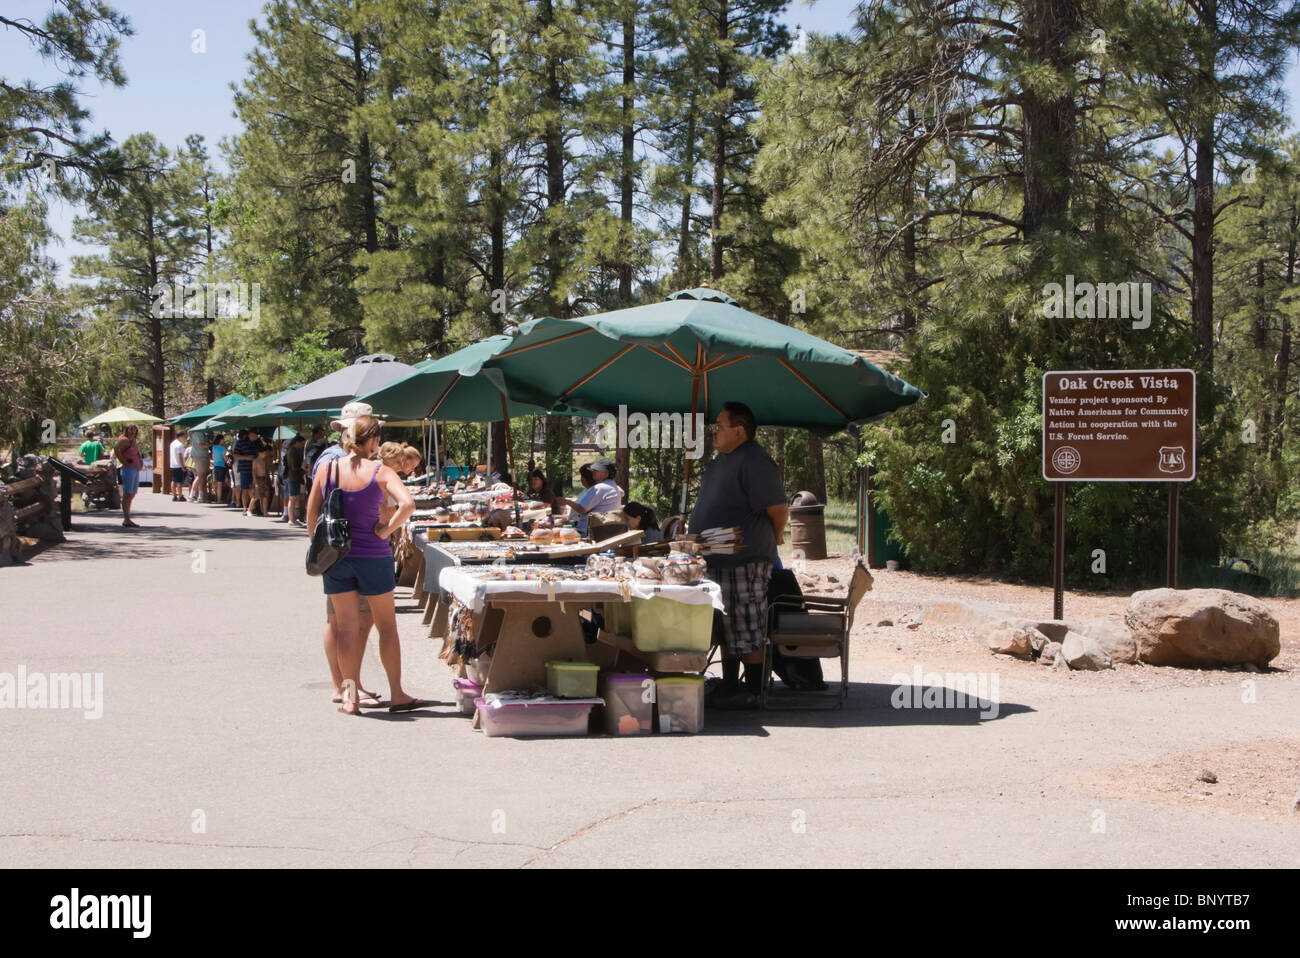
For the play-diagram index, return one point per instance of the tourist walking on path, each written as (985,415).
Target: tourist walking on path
(92,450)
(261,498)
(127,452)
(244,453)
(202,454)
(293,478)
(176,454)
(367,569)
(220,470)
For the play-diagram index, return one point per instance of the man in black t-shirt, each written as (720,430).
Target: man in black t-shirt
(742,487)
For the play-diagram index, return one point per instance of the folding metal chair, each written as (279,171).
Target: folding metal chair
(813,626)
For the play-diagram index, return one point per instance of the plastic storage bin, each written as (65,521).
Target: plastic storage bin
(618,618)
(477,668)
(662,625)
(467,690)
(525,718)
(629,703)
(679,700)
(572,680)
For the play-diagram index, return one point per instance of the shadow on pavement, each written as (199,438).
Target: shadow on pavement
(869,704)
(110,540)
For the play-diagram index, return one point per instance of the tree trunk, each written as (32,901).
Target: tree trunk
(1203,250)
(1049,124)
(628,158)
(684,269)
(497,280)
(559,453)
(211,384)
(1203,197)
(368,212)
(1276,433)
(818,457)
(719,153)
(157,369)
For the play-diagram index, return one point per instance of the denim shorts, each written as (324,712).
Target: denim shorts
(219,473)
(129,477)
(292,488)
(360,574)
(178,475)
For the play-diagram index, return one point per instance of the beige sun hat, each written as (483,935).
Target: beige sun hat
(351,413)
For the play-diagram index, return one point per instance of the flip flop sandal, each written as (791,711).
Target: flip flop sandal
(412,705)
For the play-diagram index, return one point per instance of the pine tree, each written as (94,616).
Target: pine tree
(151,243)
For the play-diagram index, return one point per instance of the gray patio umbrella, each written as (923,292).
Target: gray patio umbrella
(340,387)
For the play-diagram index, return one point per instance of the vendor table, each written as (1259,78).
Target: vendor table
(530,622)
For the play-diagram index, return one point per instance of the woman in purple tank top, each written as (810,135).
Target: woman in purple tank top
(368,567)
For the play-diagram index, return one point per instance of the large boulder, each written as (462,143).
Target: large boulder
(1083,653)
(1010,641)
(1202,627)
(1113,636)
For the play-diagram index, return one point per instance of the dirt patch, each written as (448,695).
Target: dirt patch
(899,596)
(1255,780)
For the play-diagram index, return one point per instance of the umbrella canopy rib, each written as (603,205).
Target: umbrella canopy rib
(820,395)
(549,342)
(601,368)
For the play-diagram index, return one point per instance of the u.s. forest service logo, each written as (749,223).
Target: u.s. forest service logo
(1173,459)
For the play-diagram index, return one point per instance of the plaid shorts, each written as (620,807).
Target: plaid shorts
(744,597)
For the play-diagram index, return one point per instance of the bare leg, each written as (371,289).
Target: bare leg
(364,621)
(390,648)
(346,617)
(127,499)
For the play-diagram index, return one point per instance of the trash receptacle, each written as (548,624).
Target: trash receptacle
(807,526)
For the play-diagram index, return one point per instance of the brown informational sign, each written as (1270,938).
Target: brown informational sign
(1127,425)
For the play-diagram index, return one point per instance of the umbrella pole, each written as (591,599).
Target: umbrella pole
(695,396)
(510,438)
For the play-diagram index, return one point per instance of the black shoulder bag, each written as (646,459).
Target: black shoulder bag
(331,540)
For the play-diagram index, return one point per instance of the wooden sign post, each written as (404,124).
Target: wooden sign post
(1128,425)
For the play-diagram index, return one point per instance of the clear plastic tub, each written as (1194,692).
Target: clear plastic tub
(527,718)
(467,690)
(629,703)
(679,700)
(662,625)
(572,680)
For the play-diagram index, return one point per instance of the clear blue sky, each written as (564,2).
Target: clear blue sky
(172,91)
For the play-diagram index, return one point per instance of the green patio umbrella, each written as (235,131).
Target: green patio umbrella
(437,389)
(688,355)
(692,353)
(210,411)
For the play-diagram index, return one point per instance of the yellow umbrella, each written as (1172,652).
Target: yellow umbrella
(119,414)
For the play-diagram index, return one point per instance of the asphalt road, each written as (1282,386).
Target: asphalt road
(218,746)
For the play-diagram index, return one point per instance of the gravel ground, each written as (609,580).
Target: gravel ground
(898,596)
(1255,779)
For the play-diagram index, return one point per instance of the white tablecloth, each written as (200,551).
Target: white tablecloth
(461,583)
